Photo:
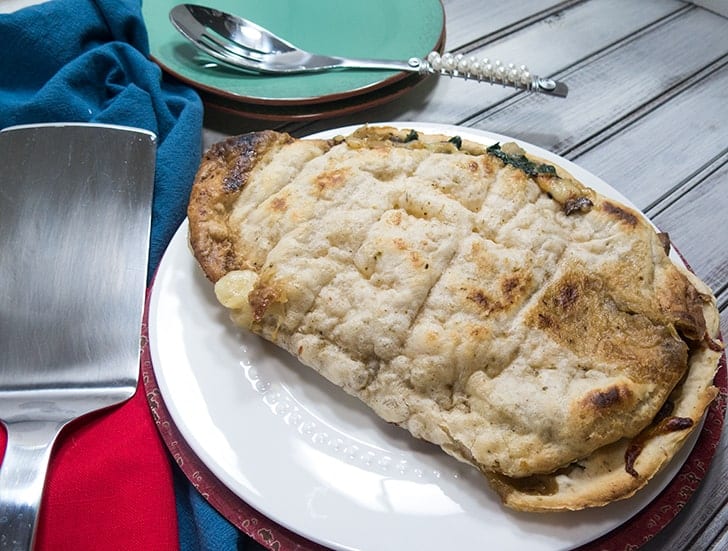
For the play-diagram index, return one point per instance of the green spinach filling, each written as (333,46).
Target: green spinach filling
(521,162)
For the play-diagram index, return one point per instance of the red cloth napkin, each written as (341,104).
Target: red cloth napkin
(109,485)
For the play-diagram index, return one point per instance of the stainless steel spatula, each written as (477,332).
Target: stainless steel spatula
(75,214)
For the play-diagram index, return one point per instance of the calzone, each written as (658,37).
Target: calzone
(477,296)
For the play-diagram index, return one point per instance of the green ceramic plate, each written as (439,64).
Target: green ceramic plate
(387,29)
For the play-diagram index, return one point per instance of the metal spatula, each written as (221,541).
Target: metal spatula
(75,214)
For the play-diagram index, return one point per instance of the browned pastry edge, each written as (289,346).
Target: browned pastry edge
(224,172)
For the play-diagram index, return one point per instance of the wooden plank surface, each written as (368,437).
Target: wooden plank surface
(615,83)
(718,6)
(580,34)
(655,153)
(465,24)
(696,222)
(547,46)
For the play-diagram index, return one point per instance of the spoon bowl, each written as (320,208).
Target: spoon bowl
(245,45)
(192,21)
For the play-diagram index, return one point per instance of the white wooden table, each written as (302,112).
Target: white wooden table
(647,112)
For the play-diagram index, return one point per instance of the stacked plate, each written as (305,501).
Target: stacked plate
(373,29)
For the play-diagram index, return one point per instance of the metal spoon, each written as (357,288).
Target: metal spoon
(242,44)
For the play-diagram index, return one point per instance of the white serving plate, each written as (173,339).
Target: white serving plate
(319,462)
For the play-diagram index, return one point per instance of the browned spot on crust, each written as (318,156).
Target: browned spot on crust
(330,179)
(478,332)
(578,312)
(620,214)
(516,287)
(473,166)
(238,153)
(606,399)
(509,284)
(603,400)
(567,296)
(544,321)
(262,297)
(279,204)
(665,241)
(506,293)
(501,288)
(479,298)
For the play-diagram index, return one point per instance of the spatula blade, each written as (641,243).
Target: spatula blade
(75,215)
(75,206)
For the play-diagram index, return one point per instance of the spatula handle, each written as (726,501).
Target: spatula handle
(22,475)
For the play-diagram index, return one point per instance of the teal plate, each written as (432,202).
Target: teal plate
(384,29)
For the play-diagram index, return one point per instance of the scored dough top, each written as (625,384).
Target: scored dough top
(480,298)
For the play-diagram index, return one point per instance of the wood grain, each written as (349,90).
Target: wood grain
(718,6)
(614,83)
(548,46)
(464,21)
(655,154)
(696,222)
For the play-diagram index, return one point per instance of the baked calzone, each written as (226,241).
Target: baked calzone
(477,296)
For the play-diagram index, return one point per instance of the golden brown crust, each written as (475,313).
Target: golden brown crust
(617,471)
(479,297)
(224,172)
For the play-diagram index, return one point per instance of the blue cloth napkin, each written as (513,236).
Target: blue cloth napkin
(87,61)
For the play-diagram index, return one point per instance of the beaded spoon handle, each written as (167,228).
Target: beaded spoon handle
(491,71)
